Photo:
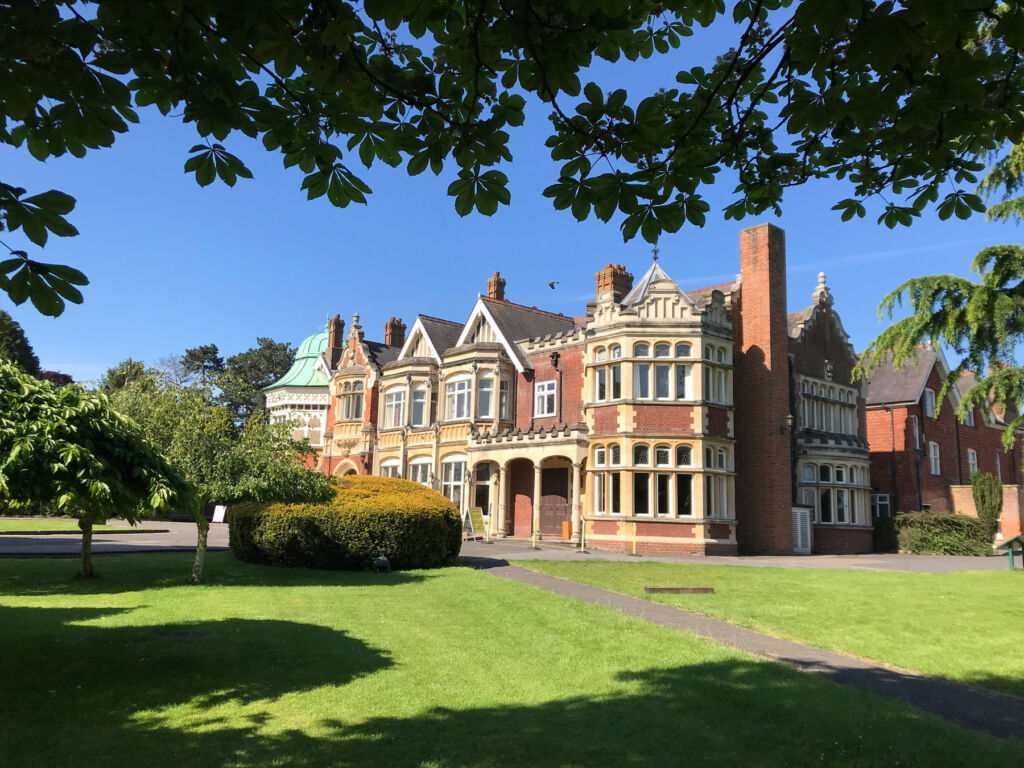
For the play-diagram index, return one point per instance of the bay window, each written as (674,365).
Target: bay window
(394,409)
(419,407)
(457,399)
(485,398)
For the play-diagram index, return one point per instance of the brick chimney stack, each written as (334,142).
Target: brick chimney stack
(335,340)
(496,287)
(764,467)
(394,332)
(614,278)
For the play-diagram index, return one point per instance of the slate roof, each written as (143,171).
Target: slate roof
(794,319)
(696,295)
(442,333)
(517,322)
(380,354)
(887,386)
(304,372)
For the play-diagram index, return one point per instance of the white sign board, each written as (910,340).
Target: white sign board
(218,513)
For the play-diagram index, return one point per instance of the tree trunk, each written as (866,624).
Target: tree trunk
(203,528)
(85,523)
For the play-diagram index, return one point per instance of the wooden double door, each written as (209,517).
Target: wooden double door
(554,500)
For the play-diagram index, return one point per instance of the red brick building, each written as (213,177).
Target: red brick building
(922,456)
(661,419)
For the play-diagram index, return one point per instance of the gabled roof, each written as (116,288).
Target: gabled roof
(515,322)
(441,335)
(888,386)
(304,371)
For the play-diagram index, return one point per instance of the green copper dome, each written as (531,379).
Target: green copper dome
(303,372)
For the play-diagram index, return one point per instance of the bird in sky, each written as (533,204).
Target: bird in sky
(552,284)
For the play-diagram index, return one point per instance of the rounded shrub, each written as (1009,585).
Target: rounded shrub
(941,533)
(369,517)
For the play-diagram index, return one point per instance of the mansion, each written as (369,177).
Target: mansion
(703,421)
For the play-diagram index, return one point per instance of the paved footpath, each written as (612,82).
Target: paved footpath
(993,713)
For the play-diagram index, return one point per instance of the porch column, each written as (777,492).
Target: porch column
(502,498)
(536,498)
(576,486)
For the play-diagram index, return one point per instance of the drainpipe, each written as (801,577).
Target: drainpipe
(959,469)
(892,438)
(558,404)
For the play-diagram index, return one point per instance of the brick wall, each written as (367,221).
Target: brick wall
(521,490)
(718,421)
(570,390)
(844,541)
(606,419)
(763,464)
(664,419)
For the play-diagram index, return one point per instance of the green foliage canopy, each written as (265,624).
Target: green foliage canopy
(69,448)
(244,376)
(982,322)
(898,97)
(14,345)
(200,440)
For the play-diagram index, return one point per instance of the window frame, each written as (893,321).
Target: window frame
(545,393)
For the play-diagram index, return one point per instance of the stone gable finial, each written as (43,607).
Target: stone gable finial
(822,294)
(356,331)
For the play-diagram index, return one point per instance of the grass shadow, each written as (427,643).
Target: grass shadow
(716,714)
(119,573)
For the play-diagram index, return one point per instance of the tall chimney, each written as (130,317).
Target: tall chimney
(764,467)
(394,332)
(614,278)
(335,340)
(496,287)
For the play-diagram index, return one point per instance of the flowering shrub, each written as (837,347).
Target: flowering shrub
(369,517)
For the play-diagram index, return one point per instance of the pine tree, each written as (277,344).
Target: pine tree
(981,321)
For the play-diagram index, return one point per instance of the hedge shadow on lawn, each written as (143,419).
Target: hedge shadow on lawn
(65,671)
(115,574)
(726,713)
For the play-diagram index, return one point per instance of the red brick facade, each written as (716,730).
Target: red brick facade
(763,462)
(901,466)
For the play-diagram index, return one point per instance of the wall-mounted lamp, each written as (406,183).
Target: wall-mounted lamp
(788,425)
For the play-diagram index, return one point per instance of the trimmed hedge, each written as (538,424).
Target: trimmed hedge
(941,533)
(370,517)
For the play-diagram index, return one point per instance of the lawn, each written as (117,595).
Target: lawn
(966,626)
(452,668)
(63,524)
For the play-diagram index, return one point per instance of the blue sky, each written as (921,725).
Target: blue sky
(173,265)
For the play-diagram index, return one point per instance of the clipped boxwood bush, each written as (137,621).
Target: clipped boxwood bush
(370,517)
(941,533)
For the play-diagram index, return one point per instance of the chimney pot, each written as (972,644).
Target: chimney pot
(496,287)
(394,332)
(614,278)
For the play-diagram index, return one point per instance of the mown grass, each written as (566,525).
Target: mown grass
(965,626)
(64,524)
(452,668)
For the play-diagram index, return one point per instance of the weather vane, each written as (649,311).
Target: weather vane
(655,251)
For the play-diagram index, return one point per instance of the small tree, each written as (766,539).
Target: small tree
(988,500)
(66,446)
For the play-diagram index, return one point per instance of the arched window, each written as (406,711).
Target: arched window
(721,459)
(709,353)
(600,354)
(683,456)
(721,354)
(662,456)
(599,455)
(682,350)
(615,352)
(825,473)
(662,350)
(640,349)
(809,473)
(615,452)
(641,455)
(389,468)
(709,458)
